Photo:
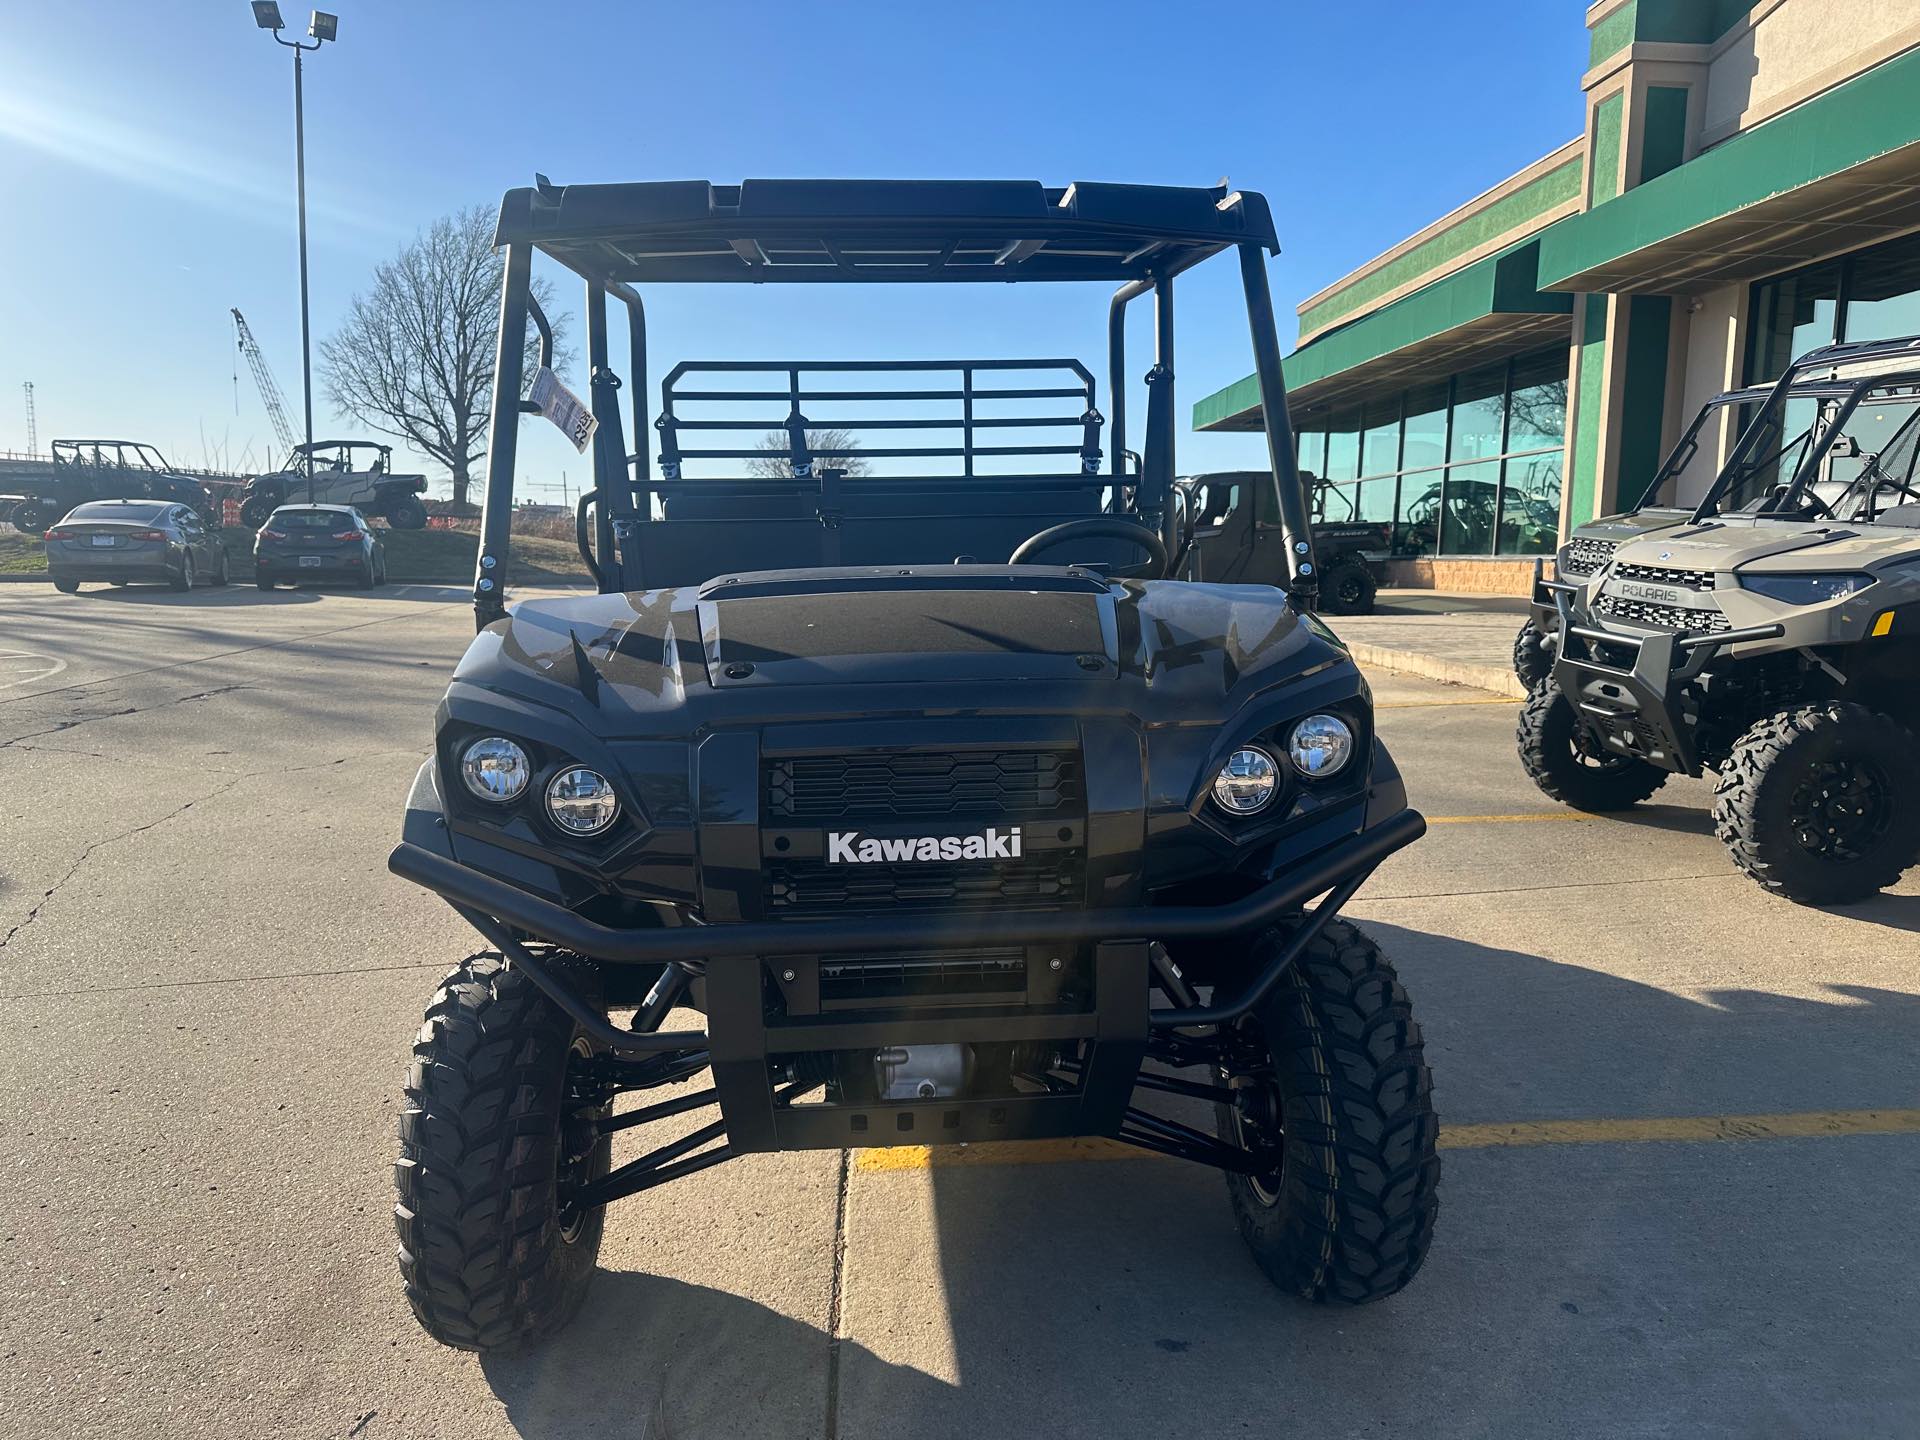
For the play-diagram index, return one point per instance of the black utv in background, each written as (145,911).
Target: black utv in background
(1237,537)
(916,807)
(35,494)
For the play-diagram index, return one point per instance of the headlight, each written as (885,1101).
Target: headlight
(1805,589)
(495,769)
(581,801)
(1320,745)
(1247,782)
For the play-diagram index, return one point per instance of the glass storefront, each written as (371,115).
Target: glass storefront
(1871,295)
(1465,466)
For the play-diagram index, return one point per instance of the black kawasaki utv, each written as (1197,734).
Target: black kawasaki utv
(907,807)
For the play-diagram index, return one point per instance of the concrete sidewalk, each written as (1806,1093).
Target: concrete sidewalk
(1461,639)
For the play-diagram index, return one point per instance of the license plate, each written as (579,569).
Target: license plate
(310,560)
(103,539)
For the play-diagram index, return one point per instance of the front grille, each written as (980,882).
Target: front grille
(1584,557)
(1048,880)
(1662,575)
(972,975)
(1004,785)
(1665,617)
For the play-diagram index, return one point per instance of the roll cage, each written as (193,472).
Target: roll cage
(338,450)
(1840,377)
(110,455)
(638,532)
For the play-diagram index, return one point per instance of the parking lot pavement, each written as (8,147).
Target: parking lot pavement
(209,983)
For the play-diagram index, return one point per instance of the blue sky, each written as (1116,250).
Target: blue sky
(146,165)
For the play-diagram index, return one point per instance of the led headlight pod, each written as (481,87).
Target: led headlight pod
(1805,589)
(581,801)
(1320,745)
(495,769)
(1247,783)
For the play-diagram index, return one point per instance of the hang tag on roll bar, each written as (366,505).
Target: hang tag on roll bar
(564,408)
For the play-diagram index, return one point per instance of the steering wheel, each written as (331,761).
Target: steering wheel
(1100,527)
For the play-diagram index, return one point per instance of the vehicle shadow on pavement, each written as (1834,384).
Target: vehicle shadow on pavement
(228,597)
(656,1357)
(1576,1289)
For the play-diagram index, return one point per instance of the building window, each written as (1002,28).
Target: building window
(1873,294)
(1465,466)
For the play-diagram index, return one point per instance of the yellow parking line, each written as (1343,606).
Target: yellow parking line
(1803,1125)
(1570,815)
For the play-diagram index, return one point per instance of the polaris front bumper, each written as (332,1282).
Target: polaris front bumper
(745,1044)
(1629,688)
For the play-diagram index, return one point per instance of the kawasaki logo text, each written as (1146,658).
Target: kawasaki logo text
(846,847)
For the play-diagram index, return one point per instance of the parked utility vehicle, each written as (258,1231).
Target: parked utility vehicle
(345,472)
(1689,466)
(1236,536)
(913,807)
(1776,643)
(35,494)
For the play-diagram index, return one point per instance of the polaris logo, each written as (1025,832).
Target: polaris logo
(847,847)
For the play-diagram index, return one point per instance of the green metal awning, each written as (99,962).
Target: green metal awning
(1484,312)
(1834,174)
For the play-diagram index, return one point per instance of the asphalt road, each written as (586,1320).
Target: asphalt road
(209,983)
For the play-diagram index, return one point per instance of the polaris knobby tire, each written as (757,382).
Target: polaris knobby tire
(1349,1214)
(255,509)
(488,1258)
(1532,657)
(1571,769)
(1347,588)
(1821,803)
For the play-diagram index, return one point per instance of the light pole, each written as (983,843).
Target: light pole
(322,28)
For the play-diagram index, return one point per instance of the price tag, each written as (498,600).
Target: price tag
(563,408)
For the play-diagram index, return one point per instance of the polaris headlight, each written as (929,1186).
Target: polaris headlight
(1247,783)
(495,769)
(1805,589)
(1320,745)
(581,801)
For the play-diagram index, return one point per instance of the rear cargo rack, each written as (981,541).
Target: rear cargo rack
(801,388)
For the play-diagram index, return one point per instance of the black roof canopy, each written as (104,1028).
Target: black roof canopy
(786,231)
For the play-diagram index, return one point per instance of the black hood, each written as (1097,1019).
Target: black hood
(963,639)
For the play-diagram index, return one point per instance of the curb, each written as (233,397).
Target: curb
(1495,678)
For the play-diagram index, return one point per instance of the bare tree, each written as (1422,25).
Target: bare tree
(415,357)
(773,464)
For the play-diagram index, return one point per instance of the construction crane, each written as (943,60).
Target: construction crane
(263,377)
(33,433)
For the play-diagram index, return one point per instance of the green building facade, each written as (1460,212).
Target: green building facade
(1747,187)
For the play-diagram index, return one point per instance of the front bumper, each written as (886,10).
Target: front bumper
(748,1039)
(1629,688)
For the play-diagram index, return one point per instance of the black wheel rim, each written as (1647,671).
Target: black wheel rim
(1589,754)
(1256,1111)
(1842,809)
(579,1139)
(1348,590)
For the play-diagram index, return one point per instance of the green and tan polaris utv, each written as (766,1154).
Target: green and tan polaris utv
(1774,642)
